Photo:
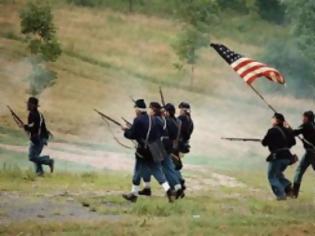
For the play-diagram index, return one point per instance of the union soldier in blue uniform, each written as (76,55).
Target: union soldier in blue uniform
(182,145)
(307,129)
(174,129)
(39,135)
(279,140)
(187,127)
(145,129)
(168,136)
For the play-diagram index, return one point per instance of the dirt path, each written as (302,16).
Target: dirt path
(19,208)
(94,158)
(100,159)
(62,206)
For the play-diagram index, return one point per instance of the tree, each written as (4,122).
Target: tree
(37,25)
(197,16)
(186,47)
(271,10)
(197,13)
(290,60)
(304,29)
(294,55)
(240,6)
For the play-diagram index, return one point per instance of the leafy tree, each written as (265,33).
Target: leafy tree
(187,45)
(240,6)
(295,55)
(197,15)
(290,60)
(37,25)
(271,10)
(304,29)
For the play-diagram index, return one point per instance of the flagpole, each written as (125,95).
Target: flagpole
(275,111)
(262,98)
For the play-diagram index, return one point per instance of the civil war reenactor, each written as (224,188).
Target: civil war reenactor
(147,131)
(168,136)
(186,130)
(174,132)
(39,135)
(307,129)
(279,140)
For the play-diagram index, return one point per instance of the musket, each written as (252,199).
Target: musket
(126,121)
(243,139)
(108,118)
(162,97)
(16,118)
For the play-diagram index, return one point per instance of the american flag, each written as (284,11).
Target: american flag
(248,69)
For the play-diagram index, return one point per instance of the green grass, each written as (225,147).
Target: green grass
(12,136)
(12,159)
(108,56)
(219,211)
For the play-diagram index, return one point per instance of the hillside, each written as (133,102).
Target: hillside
(107,57)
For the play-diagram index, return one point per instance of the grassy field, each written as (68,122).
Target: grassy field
(107,57)
(219,210)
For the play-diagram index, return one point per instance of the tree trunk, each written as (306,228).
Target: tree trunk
(192,76)
(130,5)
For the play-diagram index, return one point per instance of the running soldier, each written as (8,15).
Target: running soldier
(39,135)
(307,129)
(279,141)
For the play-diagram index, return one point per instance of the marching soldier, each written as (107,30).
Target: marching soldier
(145,129)
(174,131)
(307,129)
(168,136)
(186,130)
(279,141)
(39,135)
(187,127)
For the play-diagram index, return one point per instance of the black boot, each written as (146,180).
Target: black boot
(170,195)
(131,197)
(52,165)
(281,198)
(145,192)
(182,182)
(180,193)
(296,190)
(289,191)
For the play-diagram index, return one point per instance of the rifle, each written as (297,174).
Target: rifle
(108,118)
(16,118)
(243,139)
(132,99)
(126,121)
(162,97)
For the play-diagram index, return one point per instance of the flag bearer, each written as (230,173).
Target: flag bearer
(279,141)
